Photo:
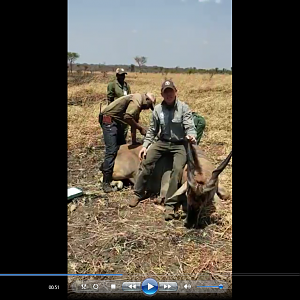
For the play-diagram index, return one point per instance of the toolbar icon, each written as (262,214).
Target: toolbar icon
(83,287)
(131,286)
(187,286)
(149,286)
(168,286)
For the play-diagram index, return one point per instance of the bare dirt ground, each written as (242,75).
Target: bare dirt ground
(105,236)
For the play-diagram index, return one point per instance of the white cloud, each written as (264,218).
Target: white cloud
(205,42)
(134,31)
(203,0)
(218,1)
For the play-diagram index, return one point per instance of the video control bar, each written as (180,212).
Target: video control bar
(149,286)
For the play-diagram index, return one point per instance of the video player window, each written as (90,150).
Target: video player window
(149,198)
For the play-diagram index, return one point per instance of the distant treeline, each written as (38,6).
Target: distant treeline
(145,69)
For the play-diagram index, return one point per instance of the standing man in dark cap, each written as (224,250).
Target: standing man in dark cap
(174,119)
(118,88)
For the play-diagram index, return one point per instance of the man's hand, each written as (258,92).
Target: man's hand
(143,131)
(191,138)
(142,153)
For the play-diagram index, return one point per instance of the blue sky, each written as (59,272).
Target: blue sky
(170,33)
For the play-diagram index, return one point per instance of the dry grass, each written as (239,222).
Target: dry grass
(104,234)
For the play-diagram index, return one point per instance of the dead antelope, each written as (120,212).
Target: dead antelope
(200,192)
(200,187)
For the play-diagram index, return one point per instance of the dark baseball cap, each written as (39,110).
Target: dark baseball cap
(168,84)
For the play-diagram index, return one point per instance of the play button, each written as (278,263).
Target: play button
(149,286)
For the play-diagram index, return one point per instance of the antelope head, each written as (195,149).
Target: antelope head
(196,188)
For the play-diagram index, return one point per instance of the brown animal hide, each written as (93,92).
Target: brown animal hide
(200,191)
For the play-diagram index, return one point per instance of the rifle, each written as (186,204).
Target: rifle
(100,115)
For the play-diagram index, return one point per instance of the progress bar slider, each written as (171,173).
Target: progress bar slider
(220,286)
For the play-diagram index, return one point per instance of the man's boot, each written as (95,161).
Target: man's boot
(133,202)
(107,178)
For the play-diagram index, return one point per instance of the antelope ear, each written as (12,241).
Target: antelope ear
(215,174)
(180,191)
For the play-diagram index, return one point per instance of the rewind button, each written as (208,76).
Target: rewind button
(131,286)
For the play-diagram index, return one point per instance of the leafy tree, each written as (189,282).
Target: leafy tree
(72,57)
(141,61)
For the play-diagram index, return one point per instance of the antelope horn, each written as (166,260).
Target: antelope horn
(180,191)
(217,172)
(193,164)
